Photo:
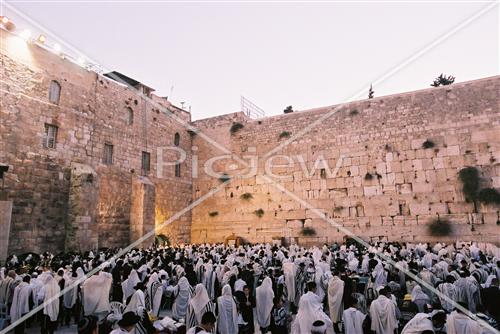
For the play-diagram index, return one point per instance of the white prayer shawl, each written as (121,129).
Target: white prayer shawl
(209,277)
(383,315)
(199,300)
(380,276)
(239,284)
(264,296)
(227,322)
(182,293)
(128,285)
(20,301)
(51,301)
(154,289)
(310,310)
(136,303)
(459,323)
(95,291)
(417,294)
(71,295)
(353,321)
(289,271)
(419,323)
(449,290)
(335,294)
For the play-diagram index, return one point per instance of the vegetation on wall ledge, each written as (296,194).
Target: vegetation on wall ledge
(308,231)
(236,127)
(213,213)
(288,110)
(224,177)
(440,228)
(246,196)
(259,213)
(443,80)
(469,176)
(428,144)
(354,112)
(489,196)
(368,176)
(285,134)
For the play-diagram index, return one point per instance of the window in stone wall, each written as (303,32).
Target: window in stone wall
(50,137)
(108,154)
(129,116)
(178,169)
(146,162)
(177,139)
(54,92)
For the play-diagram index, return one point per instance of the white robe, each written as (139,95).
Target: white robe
(335,294)
(289,271)
(383,315)
(182,293)
(227,321)
(459,323)
(20,301)
(353,321)
(310,310)
(128,285)
(136,303)
(51,298)
(199,300)
(264,296)
(419,323)
(95,292)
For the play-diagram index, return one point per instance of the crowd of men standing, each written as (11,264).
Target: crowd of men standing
(386,288)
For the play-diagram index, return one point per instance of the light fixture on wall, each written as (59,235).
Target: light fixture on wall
(7,23)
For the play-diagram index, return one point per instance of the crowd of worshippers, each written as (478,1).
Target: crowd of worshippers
(384,289)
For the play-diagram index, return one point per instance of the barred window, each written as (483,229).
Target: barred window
(54,92)
(50,137)
(146,162)
(129,116)
(178,169)
(177,139)
(108,154)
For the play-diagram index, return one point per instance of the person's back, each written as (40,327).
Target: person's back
(383,314)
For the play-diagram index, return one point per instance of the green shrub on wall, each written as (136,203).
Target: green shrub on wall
(213,213)
(246,196)
(469,176)
(428,144)
(236,127)
(489,196)
(308,231)
(440,228)
(285,134)
(259,213)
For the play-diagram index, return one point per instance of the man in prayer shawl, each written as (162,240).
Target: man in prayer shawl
(50,292)
(459,323)
(207,325)
(95,294)
(127,324)
(154,292)
(264,304)
(182,293)
(20,303)
(383,314)
(209,278)
(70,297)
(467,291)
(227,321)
(353,319)
(420,298)
(289,274)
(449,290)
(137,302)
(335,295)
(425,323)
(129,284)
(7,288)
(199,305)
(300,282)
(310,310)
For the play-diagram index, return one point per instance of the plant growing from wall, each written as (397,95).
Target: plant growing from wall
(308,231)
(285,134)
(428,144)
(469,176)
(213,213)
(489,196)
(259,213)
(354,112)
(440,228)
(224,177)
(368,176)
(288,110)
(443,80)
(246,196)
(371,92)
(236,127)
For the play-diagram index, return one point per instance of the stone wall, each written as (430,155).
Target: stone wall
(92,111)
(407,187)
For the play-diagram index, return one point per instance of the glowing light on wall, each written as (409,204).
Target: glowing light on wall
(5,19)
(42,38)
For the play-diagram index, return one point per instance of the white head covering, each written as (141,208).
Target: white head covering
(228,316)
(51,301)
(199,300)
(264,296)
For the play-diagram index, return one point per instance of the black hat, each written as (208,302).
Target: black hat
(87,324)
(128,319)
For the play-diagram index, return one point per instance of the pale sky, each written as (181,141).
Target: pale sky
(306,55)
